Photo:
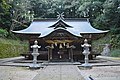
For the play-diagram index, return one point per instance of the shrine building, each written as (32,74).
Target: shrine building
(60,39)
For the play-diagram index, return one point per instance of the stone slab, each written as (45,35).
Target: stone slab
(59,72)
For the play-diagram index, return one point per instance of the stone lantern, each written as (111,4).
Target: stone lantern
(35,53)
(86,52)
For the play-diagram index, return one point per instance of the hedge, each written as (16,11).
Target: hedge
(12,50)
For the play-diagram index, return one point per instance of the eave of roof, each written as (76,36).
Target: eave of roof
(41,26)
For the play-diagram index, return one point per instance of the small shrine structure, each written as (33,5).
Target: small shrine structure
(60,38)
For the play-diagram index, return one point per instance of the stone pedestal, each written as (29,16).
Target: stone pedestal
(34,65)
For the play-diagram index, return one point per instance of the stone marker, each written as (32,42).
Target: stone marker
(106,50)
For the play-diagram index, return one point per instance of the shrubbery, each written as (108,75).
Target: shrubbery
(115,53)
(3,33)
(11,48)
(98,45)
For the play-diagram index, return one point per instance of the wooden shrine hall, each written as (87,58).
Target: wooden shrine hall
(60,39)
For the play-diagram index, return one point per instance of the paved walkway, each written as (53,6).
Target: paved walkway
(105,71)
(59,72)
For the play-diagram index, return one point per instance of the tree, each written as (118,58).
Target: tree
(110,17)
(5,20)
(21,14)
(91,9)
(49,8)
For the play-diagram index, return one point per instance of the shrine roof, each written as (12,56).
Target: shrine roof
(75,26)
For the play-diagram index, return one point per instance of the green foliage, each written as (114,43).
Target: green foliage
(12,48)
(103,40)
(115,41)
(5,19)
(100,23)
(110,17)
(3,33)
(21,14)
(49,8)
(99,44)
(4,7)
(115,53)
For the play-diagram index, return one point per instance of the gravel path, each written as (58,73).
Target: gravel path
(109,70)
(59,72)
(52,72)
(103,73)
(16,73)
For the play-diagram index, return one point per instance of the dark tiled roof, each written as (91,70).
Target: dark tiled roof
(77,26)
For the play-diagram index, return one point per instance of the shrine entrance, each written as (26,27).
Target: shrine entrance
(61,50)
(60,45)
(60,54)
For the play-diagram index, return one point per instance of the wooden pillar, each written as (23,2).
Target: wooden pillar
(48,47)
(50,53)
(71,51)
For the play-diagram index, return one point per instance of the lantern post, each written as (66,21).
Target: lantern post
(86,52)
(35,53)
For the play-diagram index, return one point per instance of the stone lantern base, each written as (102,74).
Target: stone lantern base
(35,66)
(86,65)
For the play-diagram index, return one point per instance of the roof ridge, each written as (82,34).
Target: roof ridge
(55,19)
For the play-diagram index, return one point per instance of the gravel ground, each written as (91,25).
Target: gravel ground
(16,73)
(55,72)
(102,73)
(61,72)
(23,73)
